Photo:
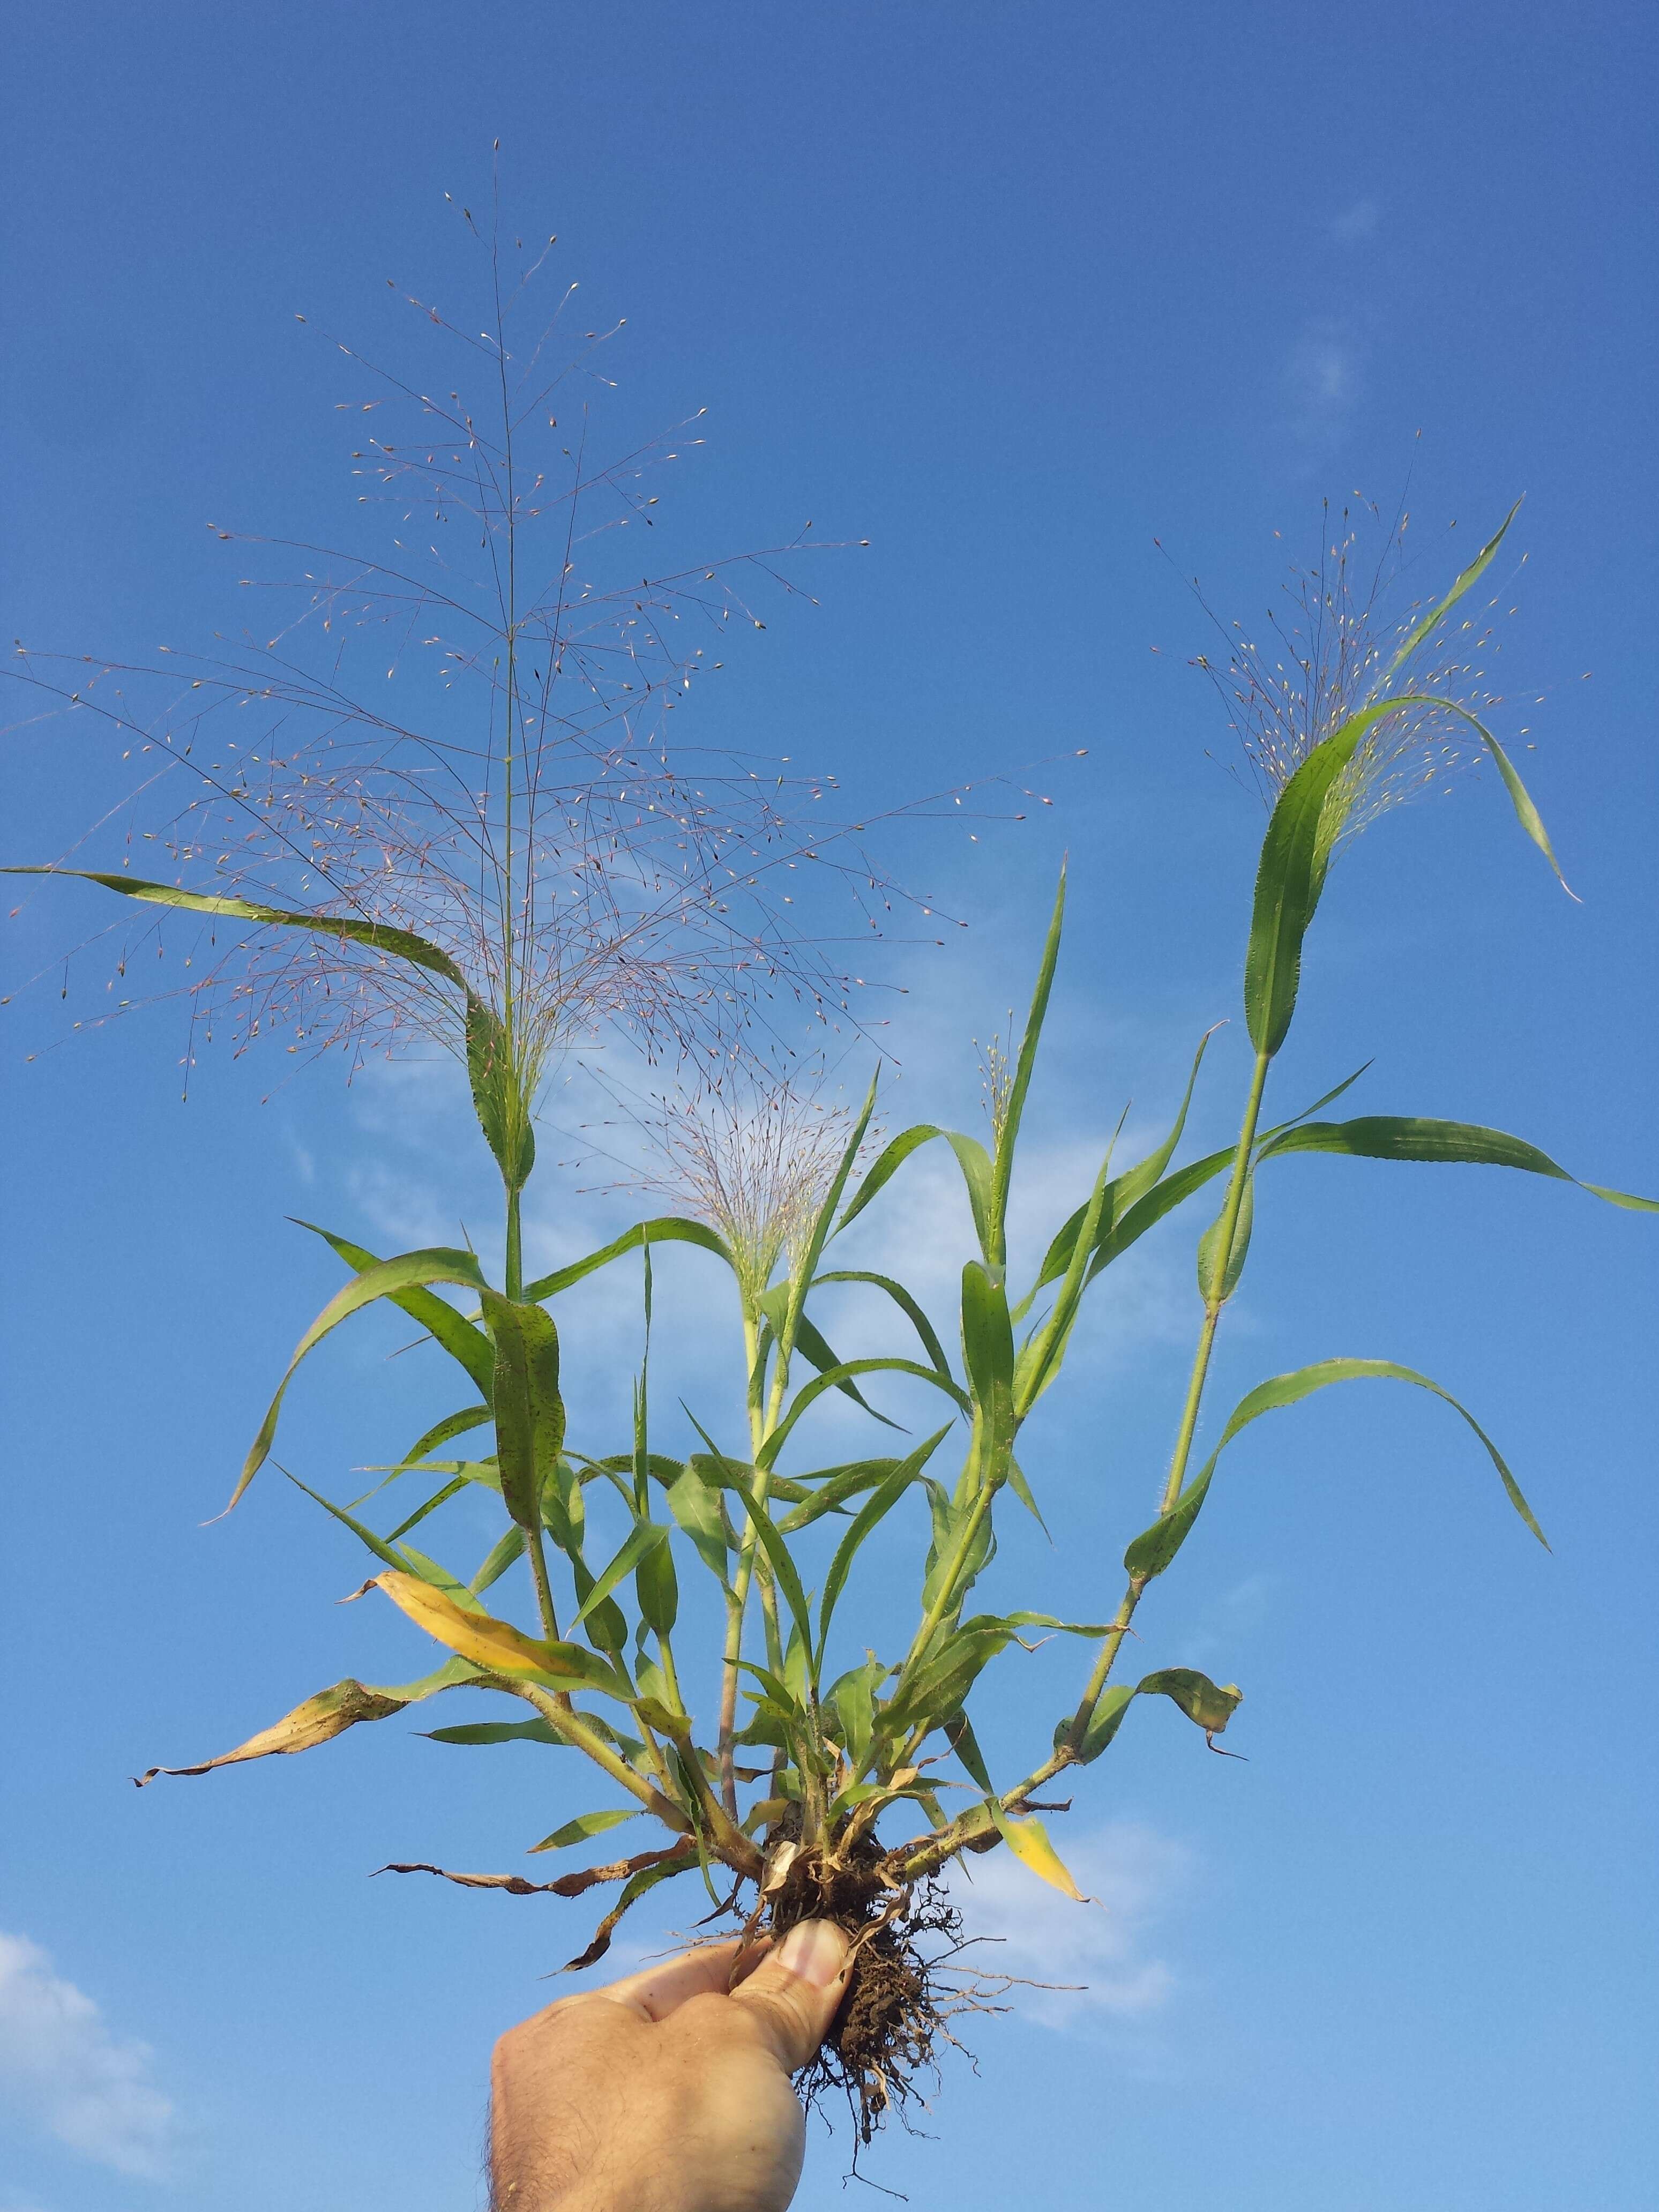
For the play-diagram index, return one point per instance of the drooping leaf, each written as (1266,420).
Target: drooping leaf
(812,1343)
(492,1645)
(1154,1548)
(401,944)
(327,1715)
(465,1344)
(885,1166)
(584,1826)
(1209,1707)
(386,1277)
(906,1305)
(1028,1840)
(669,1229)
(681,1860)
(1413,1137)
(444,1431)
(810,1392)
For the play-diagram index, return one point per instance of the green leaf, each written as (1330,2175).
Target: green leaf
(583,1828)
(697,1510)
(1217,1281)
(525,1393)
(502,1554)
(853,1699)
(402,944)
(783,1566)
(498,1099)
(1040,1360)
(1290,876)
(480,1732)
(887,1165)
(377,1282)
(439,1497)
(994,1231)
(875,1509)
(1403,1136)
(452,1426)
(1163,1198)
(806,1266)
(988,1338)
(810,1341)
(939,1686)
(367,1537)
(1209,1707)
(810,1392)
(669,1229)
(1469,576)
(836,1485)
(1152,1551)
(1022,1490)
(906,1305)
(1126,1191)
(644,1537)
(960,1736)
(657,1588)
(459,1339)
(1103,1723)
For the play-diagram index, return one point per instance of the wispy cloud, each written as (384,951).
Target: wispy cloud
(61,2067)
(1324,380)
(1134,1872)
(1355,223)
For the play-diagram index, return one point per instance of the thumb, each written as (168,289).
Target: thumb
(793,1994)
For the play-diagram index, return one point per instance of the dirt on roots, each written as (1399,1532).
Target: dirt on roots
(902,1988)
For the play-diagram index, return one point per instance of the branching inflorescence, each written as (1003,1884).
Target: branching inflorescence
(542,862)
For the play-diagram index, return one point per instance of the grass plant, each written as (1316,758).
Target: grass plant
(541,862)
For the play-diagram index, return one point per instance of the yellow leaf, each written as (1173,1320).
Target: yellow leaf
(329,1713)
(476,1636)
(1029,1842)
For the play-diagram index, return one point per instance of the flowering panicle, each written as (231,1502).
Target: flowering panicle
(1338,651)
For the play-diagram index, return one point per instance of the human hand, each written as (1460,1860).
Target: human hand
(669,2090)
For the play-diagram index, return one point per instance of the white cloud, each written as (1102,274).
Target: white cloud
(1131,1870)
(61,2067)
(1322,376)
(1355,223)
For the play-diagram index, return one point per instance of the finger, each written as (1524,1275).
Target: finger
(793,1995)
(657,1990)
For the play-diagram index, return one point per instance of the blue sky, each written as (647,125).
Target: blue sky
(1011,292)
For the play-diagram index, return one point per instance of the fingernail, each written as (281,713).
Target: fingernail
(815,1951)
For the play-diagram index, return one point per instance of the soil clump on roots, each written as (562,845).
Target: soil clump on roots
(902,1988)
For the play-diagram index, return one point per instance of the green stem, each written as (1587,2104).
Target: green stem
(1112,1642)
(515,1248)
